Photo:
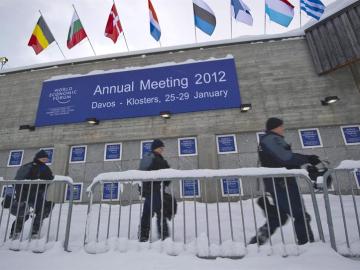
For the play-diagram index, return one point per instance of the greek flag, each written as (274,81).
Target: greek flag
(313,8)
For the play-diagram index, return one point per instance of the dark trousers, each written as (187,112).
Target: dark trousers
(284,208)
(148,214)
(22,212)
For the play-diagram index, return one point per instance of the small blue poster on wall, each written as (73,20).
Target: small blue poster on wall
(351,134)
(50,153)
(77,192)
(15,158)
(145,147)
(310,138)
(357,177)
(112,151)
(187,146)
(78,154)
(226,144)
(187,188)
(230,187)
(110,191)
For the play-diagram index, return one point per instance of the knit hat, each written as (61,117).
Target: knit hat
(41,154)
(273,122)
(156,144)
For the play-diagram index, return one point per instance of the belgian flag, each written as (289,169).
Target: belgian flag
(41,36)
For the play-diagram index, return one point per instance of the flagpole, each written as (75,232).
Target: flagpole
(122,31)
(300,14)
(160,43)
(86,34)
(230,21)
(265,20)
(53,36)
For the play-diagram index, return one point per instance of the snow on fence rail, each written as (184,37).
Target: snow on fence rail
(28,210)
(209,229)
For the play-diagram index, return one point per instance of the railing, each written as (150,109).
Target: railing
(344,229)
(221,223)
(31,217)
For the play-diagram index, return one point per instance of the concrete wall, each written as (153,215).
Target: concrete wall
(277,77)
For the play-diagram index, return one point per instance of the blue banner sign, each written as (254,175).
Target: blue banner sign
(357,177)
(188,187)
(178,88)
(50,153)
(15,158)
(112,151)
(226,144)
(187,146)
(310,138)
(230,187)
(77,192)
(351,134)
(78,154)
(110,191)
(145,147)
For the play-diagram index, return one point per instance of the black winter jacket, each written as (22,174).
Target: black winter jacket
(32,171)
(275,152)
(158,162)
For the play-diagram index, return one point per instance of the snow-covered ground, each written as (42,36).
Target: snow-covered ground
(122,253)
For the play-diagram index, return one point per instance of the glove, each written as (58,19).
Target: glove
(313,160)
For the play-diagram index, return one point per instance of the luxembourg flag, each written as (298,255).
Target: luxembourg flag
(155,30)
(280,11)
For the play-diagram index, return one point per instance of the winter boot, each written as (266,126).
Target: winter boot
(144,234)
(261,237)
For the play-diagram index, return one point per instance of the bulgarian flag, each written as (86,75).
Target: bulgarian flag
(76,32)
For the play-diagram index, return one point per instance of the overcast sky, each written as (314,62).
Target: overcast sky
(18,19)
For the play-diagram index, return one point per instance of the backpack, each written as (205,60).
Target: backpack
(146,161)
(168,209)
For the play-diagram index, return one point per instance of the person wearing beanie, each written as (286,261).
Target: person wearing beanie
(152,190)
(275,152)
(37,169)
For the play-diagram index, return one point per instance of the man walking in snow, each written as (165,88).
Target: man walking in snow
(152,192)
(275,152)
(37,169)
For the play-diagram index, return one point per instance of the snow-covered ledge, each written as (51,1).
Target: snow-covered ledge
(168,174)
(348,165)
(57,178)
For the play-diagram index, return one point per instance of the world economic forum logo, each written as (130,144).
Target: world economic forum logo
(62,95)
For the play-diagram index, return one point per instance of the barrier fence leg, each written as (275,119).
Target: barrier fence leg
(343,213)
(355,206)
(8,218)
(291,214)
(68,222)
(328,213)
(151,210)
(184,213)
(303,212)
(229,208)
(195,212)
(50,219)
(109,216)
(254,215)
(218,213)
(173,216)
(99,215)
(119,219)
(317,213)
(267,219)
(279,219)
(243,220)
(130,210)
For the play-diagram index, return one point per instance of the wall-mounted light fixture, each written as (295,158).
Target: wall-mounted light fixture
(165,114)
(92,121)
(329,100)
(29,127)
(3,61)
(245,107)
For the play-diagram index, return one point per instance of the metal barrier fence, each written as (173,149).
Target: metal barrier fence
(344,193)
(211,228)
(29,209)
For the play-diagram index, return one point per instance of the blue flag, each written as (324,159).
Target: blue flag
(313,8)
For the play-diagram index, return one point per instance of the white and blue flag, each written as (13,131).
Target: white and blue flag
(241,12)
(313,8)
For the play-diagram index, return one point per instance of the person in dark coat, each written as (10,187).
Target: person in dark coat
(275,152)
(150,162)
(37,169)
